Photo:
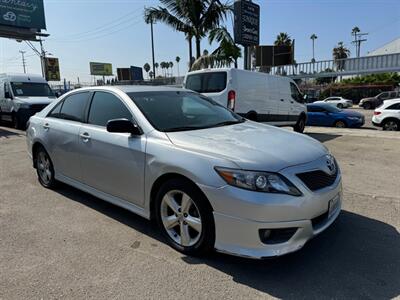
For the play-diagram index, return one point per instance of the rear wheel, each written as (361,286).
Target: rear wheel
(185,218)
(340,124)
(300,125)
(340,105)
(391,125)
(44,168)
(367,105)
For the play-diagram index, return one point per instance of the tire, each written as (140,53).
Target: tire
(340,105)
(391,125)
(340,124)
(252,116)
(173,218)
(16,122)
(300,125)
(367,105)
(44,169)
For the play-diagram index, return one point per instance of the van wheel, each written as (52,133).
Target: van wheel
(300,125)
(252,116)
(16,122)
(185,217)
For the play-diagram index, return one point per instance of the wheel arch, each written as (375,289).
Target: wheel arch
(163,179)
(35,147)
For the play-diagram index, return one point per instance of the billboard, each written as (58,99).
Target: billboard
(100,69)
(247,23)
(22,14)
(271,56)
(52,68)
(132,73)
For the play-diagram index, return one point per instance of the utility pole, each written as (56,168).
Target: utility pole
(358,39)
(152,46)
(42,58)
(23,60)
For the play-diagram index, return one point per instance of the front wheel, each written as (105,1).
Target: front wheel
(300,125)
(16,122)
(340,124)
(367,105)
(185,217)
(391,125)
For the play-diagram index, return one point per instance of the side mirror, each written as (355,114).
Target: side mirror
(7,95)
(305,97)
(123,126)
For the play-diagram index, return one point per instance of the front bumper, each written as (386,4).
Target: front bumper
(239,216)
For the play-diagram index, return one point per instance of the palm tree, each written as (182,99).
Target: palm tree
(156,65)
(340,52)
(283,39)
(171,65)
(195,18)
(227,51)
(313,37)
(177,59)
(146,67)
(354,32)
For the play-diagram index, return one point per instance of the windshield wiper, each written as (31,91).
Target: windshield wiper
(229,123)
(183,128)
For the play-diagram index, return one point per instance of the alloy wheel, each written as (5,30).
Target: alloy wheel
(340,124)
(391,126)
(181,218)
(44,167)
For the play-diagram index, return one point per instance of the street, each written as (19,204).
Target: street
(68,244)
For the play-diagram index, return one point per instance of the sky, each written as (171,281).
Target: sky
(114,31)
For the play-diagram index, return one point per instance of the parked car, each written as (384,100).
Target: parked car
(374,102)
(21,96)
(256,96)
(387,115)
(322,114)
(339,102)
(210,178)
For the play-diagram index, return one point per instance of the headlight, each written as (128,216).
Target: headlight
(258,181)
(354,118)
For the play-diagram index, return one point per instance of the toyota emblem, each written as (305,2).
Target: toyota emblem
(330,163)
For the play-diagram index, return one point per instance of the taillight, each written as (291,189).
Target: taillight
(376,113)
(231,100)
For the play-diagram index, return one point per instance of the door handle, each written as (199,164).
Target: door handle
(46,126)
(85,137)
(282,100)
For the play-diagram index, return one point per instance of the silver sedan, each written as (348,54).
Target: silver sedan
(210,178)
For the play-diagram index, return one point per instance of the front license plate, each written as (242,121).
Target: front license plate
(333,206)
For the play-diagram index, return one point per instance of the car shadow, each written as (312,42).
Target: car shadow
(323,137)
(5,133)
(357,257)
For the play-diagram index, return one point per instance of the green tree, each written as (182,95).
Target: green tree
(228,52)
(283,39)
(146,67)
(340,52)
(171,65)
(195,18)
(156,65)
(177,59)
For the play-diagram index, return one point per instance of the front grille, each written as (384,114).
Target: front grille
(37,107)
(316,180)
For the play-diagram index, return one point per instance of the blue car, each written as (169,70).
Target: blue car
(329,115)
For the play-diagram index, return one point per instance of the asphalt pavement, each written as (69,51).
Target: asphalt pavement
(66,244)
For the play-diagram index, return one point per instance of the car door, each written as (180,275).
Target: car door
(320,116)
(112,163)
(61,134)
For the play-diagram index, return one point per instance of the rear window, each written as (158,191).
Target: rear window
(207,82)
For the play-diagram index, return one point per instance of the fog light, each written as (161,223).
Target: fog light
(265,234)
(276,236)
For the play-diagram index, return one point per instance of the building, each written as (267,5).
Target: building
(389,48)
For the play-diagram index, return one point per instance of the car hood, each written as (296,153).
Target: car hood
(251,146)
(35,100)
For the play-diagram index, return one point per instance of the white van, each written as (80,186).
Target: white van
(22,96)
(257,96)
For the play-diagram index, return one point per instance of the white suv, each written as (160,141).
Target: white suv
(387,115)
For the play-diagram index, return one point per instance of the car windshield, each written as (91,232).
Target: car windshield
(171,111)
(31,89)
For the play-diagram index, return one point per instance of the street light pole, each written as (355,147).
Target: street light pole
(152,47)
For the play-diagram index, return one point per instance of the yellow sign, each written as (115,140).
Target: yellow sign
(52,69)
(101,69)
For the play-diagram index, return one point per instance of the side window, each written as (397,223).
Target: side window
(56,111)
(105,107)
(74,106)
(296,95)
(383,96)
(393,95)
(394,107)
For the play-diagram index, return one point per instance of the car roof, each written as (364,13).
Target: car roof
(135,88)
(391,101)
(22,77)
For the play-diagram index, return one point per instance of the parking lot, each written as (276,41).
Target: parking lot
(68,244)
